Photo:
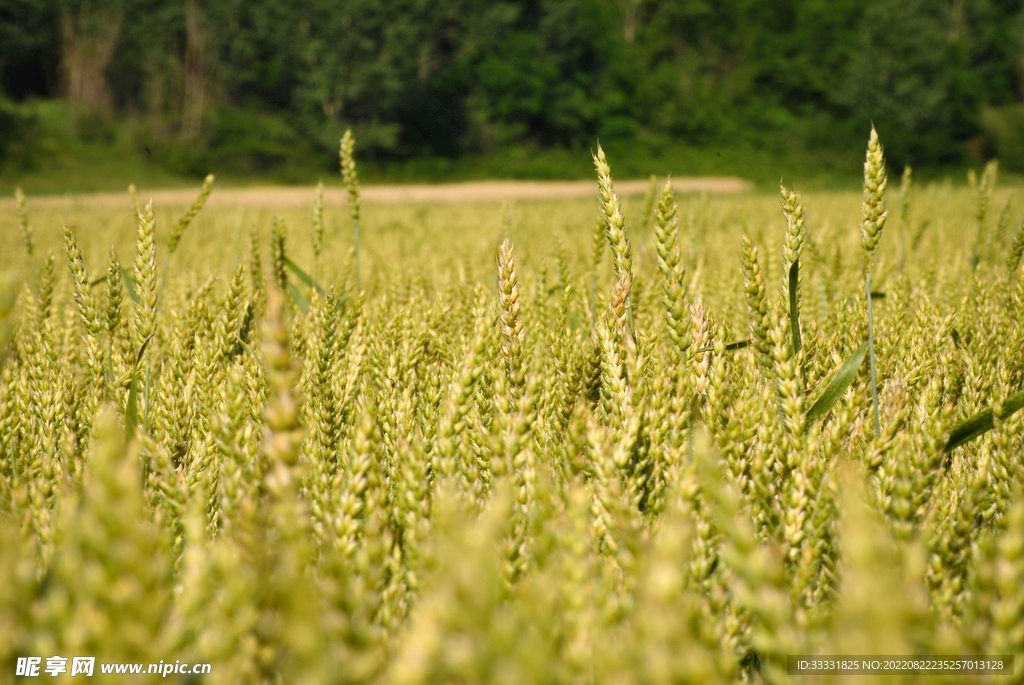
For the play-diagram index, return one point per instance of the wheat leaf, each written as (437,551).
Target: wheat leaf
(838,384)
(131,413)
(304,277)
(794,311)
(981,423)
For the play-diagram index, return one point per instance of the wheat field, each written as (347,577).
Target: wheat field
(661,439)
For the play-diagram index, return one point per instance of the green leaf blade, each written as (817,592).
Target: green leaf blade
(794,305)
(837,385)
(300,300)
(304,277)
(131,412)
(129,285)
(982,422)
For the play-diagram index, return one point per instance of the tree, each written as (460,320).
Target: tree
(910,73)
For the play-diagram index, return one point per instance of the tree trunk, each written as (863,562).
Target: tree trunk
(88,40)
(629,20)
(195,70)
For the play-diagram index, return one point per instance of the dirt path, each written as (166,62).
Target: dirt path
(477,191)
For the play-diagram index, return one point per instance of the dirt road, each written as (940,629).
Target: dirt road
(477,191)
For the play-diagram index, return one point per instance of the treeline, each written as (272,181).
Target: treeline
(258,81)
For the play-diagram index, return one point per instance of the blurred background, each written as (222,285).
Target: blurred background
(96,93)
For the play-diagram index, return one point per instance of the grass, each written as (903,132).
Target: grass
(523,448)
(116,153)
(62,162)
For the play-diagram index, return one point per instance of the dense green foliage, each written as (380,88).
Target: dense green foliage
(507,445)
(247,87)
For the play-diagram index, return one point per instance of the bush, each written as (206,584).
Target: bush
(1003,129)
(236,142)
(18,132)
(94,126)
